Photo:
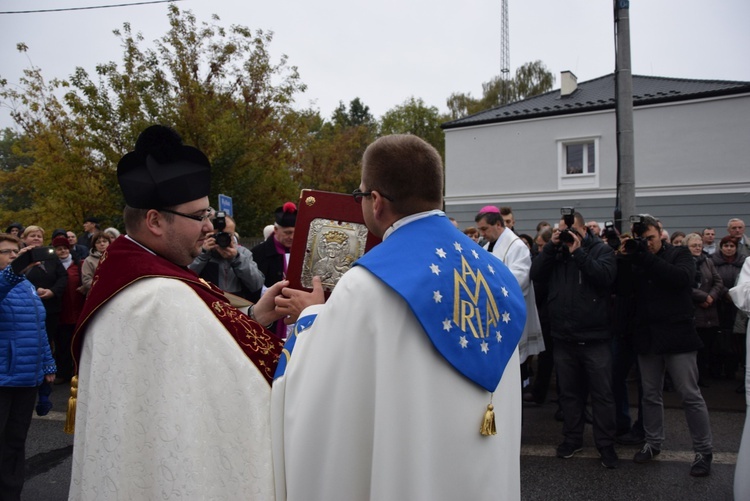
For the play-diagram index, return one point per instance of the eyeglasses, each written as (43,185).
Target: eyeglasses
(359,194)
(9,251)
(207,214)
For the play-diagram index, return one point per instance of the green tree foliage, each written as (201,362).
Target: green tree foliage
(531,79)
(332,156)
(14,197)
(218,87)
(414,117)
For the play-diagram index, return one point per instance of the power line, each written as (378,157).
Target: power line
(87,8)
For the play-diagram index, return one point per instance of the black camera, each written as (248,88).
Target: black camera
(36,254)
(568,216)
(222,238)
(637,222)
(635,245)
(610,233)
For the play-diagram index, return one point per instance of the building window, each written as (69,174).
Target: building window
(580,158)
(578,161)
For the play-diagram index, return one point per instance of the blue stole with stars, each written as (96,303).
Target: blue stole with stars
(468,302)
(303,323)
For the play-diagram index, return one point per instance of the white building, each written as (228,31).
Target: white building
(692,154)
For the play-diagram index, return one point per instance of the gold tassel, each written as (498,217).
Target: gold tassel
(70,420)
(488,424)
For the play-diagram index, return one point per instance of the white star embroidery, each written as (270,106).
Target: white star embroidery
(485,347)
(506,317)
(437,296)
(440,252)
(475,253)
(463,342)
(492,270)
(457,246)
(499,337)
(505,291)
(435,269)
(447,324)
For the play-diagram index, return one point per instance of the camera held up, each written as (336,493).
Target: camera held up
(637,243)
(222,238)
(568,216)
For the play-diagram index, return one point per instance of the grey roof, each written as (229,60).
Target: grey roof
(599,94)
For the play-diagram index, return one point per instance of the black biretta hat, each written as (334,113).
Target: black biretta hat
(163,172)
(286,215)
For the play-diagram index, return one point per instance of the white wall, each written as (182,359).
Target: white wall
(694,147)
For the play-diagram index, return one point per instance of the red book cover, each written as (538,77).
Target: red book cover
(329,235)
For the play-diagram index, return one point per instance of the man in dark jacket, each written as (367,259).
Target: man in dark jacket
(665,339)
(272,255)
(580,271)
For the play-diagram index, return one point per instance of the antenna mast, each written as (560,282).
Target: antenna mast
(504,56)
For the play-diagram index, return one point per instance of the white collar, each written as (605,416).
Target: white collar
(139,244)
(410,219)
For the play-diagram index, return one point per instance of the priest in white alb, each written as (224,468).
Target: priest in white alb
(405,383)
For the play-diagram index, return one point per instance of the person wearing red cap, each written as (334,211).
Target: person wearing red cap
(272,255)
(70,309)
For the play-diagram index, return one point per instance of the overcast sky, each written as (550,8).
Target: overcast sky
(388,50)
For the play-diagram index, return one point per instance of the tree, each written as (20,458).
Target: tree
(333,153)
(414,117)
(531,79)
(14,198)
(217,86)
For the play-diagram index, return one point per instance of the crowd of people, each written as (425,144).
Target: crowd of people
(642,303)
(201,319)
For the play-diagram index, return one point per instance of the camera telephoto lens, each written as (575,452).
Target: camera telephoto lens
(223,239)
(566,237)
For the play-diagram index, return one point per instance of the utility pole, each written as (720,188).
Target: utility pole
(625,202)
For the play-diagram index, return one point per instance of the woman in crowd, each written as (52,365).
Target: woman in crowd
(99,243)
(72,305)
(707,289)
(112,233)
(677,238)
(50,279)
(728,263)
(472,233)
(27,361)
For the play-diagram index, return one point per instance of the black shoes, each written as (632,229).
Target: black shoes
(566,450)
(701,466)
(609,457)
(630,438)
(646,454)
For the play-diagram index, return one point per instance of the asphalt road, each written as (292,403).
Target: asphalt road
(543,476)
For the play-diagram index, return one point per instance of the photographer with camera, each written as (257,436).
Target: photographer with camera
(665,337)
(227,264)
(580,271)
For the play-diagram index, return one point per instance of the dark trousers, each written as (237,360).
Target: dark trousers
(544,365)
(577,365)
(625,358)
(63,356)
(16,407)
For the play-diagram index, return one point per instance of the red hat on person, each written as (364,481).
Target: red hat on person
(286,215)
(60,241)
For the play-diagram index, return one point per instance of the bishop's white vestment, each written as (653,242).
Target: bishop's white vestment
(511,250)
